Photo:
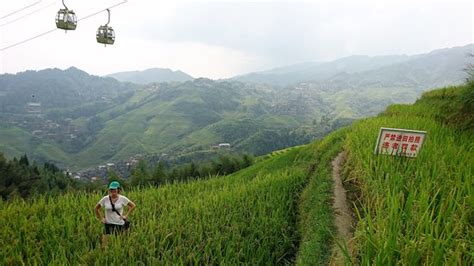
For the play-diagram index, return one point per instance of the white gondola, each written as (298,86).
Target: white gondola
(66,19)
(105,34)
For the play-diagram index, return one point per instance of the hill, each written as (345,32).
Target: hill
(151,75)
(278,211)
(55,88)
(77,121)
(37,107)
(318,71)
(191,117)
(178,119)
(424,71)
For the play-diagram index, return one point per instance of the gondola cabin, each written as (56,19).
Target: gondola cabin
(105,35)
(66,19)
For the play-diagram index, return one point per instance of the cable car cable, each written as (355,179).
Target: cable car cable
(21,9)
(98,12)
(24,16)
(29,39)
(44,33)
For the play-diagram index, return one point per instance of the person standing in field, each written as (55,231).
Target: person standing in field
(114,221)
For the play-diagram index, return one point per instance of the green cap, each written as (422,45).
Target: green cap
(114,185)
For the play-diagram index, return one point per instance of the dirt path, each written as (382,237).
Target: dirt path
(341,210)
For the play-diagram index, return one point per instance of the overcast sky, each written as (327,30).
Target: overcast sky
(219,39)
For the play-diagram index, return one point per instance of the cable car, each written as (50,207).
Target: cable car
(105,34)
(66,19)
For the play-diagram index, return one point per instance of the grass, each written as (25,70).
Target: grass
(248,217)
(414,211)
(315,209)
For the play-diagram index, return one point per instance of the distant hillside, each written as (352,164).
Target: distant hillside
(37,110)
(151,75)
(77,120)
(55,88)
(179,119)
(190,117)
(437,68)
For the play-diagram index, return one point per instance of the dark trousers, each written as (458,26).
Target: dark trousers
(113,228)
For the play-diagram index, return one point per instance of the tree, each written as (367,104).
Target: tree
(158,176)
(247,160)
(24,161)
(139,175)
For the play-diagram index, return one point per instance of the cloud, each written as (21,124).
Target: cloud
(221,39)
(294,32)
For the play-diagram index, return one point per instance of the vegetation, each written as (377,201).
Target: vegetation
(315,207)
(89,121)
(20,179)
(247,217)
(415,211)
(358,72)
(277,211)
(151,75)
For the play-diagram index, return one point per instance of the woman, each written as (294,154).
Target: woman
(113,204)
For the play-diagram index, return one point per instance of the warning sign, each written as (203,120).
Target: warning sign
(399,142)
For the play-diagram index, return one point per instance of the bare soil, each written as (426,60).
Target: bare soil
(342,212)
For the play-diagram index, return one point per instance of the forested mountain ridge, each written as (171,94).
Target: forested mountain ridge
(421,71)
(151,75)
(188,117)
(172,118)
(55,88)
(78,120)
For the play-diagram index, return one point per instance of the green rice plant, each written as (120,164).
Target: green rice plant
(414,210)
(247,217)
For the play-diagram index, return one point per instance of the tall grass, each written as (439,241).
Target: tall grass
(316,217)
(414,211)
(248,217)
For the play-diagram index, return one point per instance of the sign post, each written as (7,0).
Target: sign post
(399,142)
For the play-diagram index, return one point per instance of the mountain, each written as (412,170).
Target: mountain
(446,64)
(78,128)
(55,88)
(191,117)
(50,114)
(427,71)
(151,75)
(77,120)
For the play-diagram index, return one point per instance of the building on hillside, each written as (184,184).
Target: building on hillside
(224,145)
(33,108)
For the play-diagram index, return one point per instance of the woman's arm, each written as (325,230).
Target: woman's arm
(131,207)
(97,213)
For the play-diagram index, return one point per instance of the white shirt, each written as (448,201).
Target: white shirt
(112,217)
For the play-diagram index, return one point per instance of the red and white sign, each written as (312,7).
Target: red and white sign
(399,142)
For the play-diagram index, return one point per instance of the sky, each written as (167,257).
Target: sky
(221,39)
